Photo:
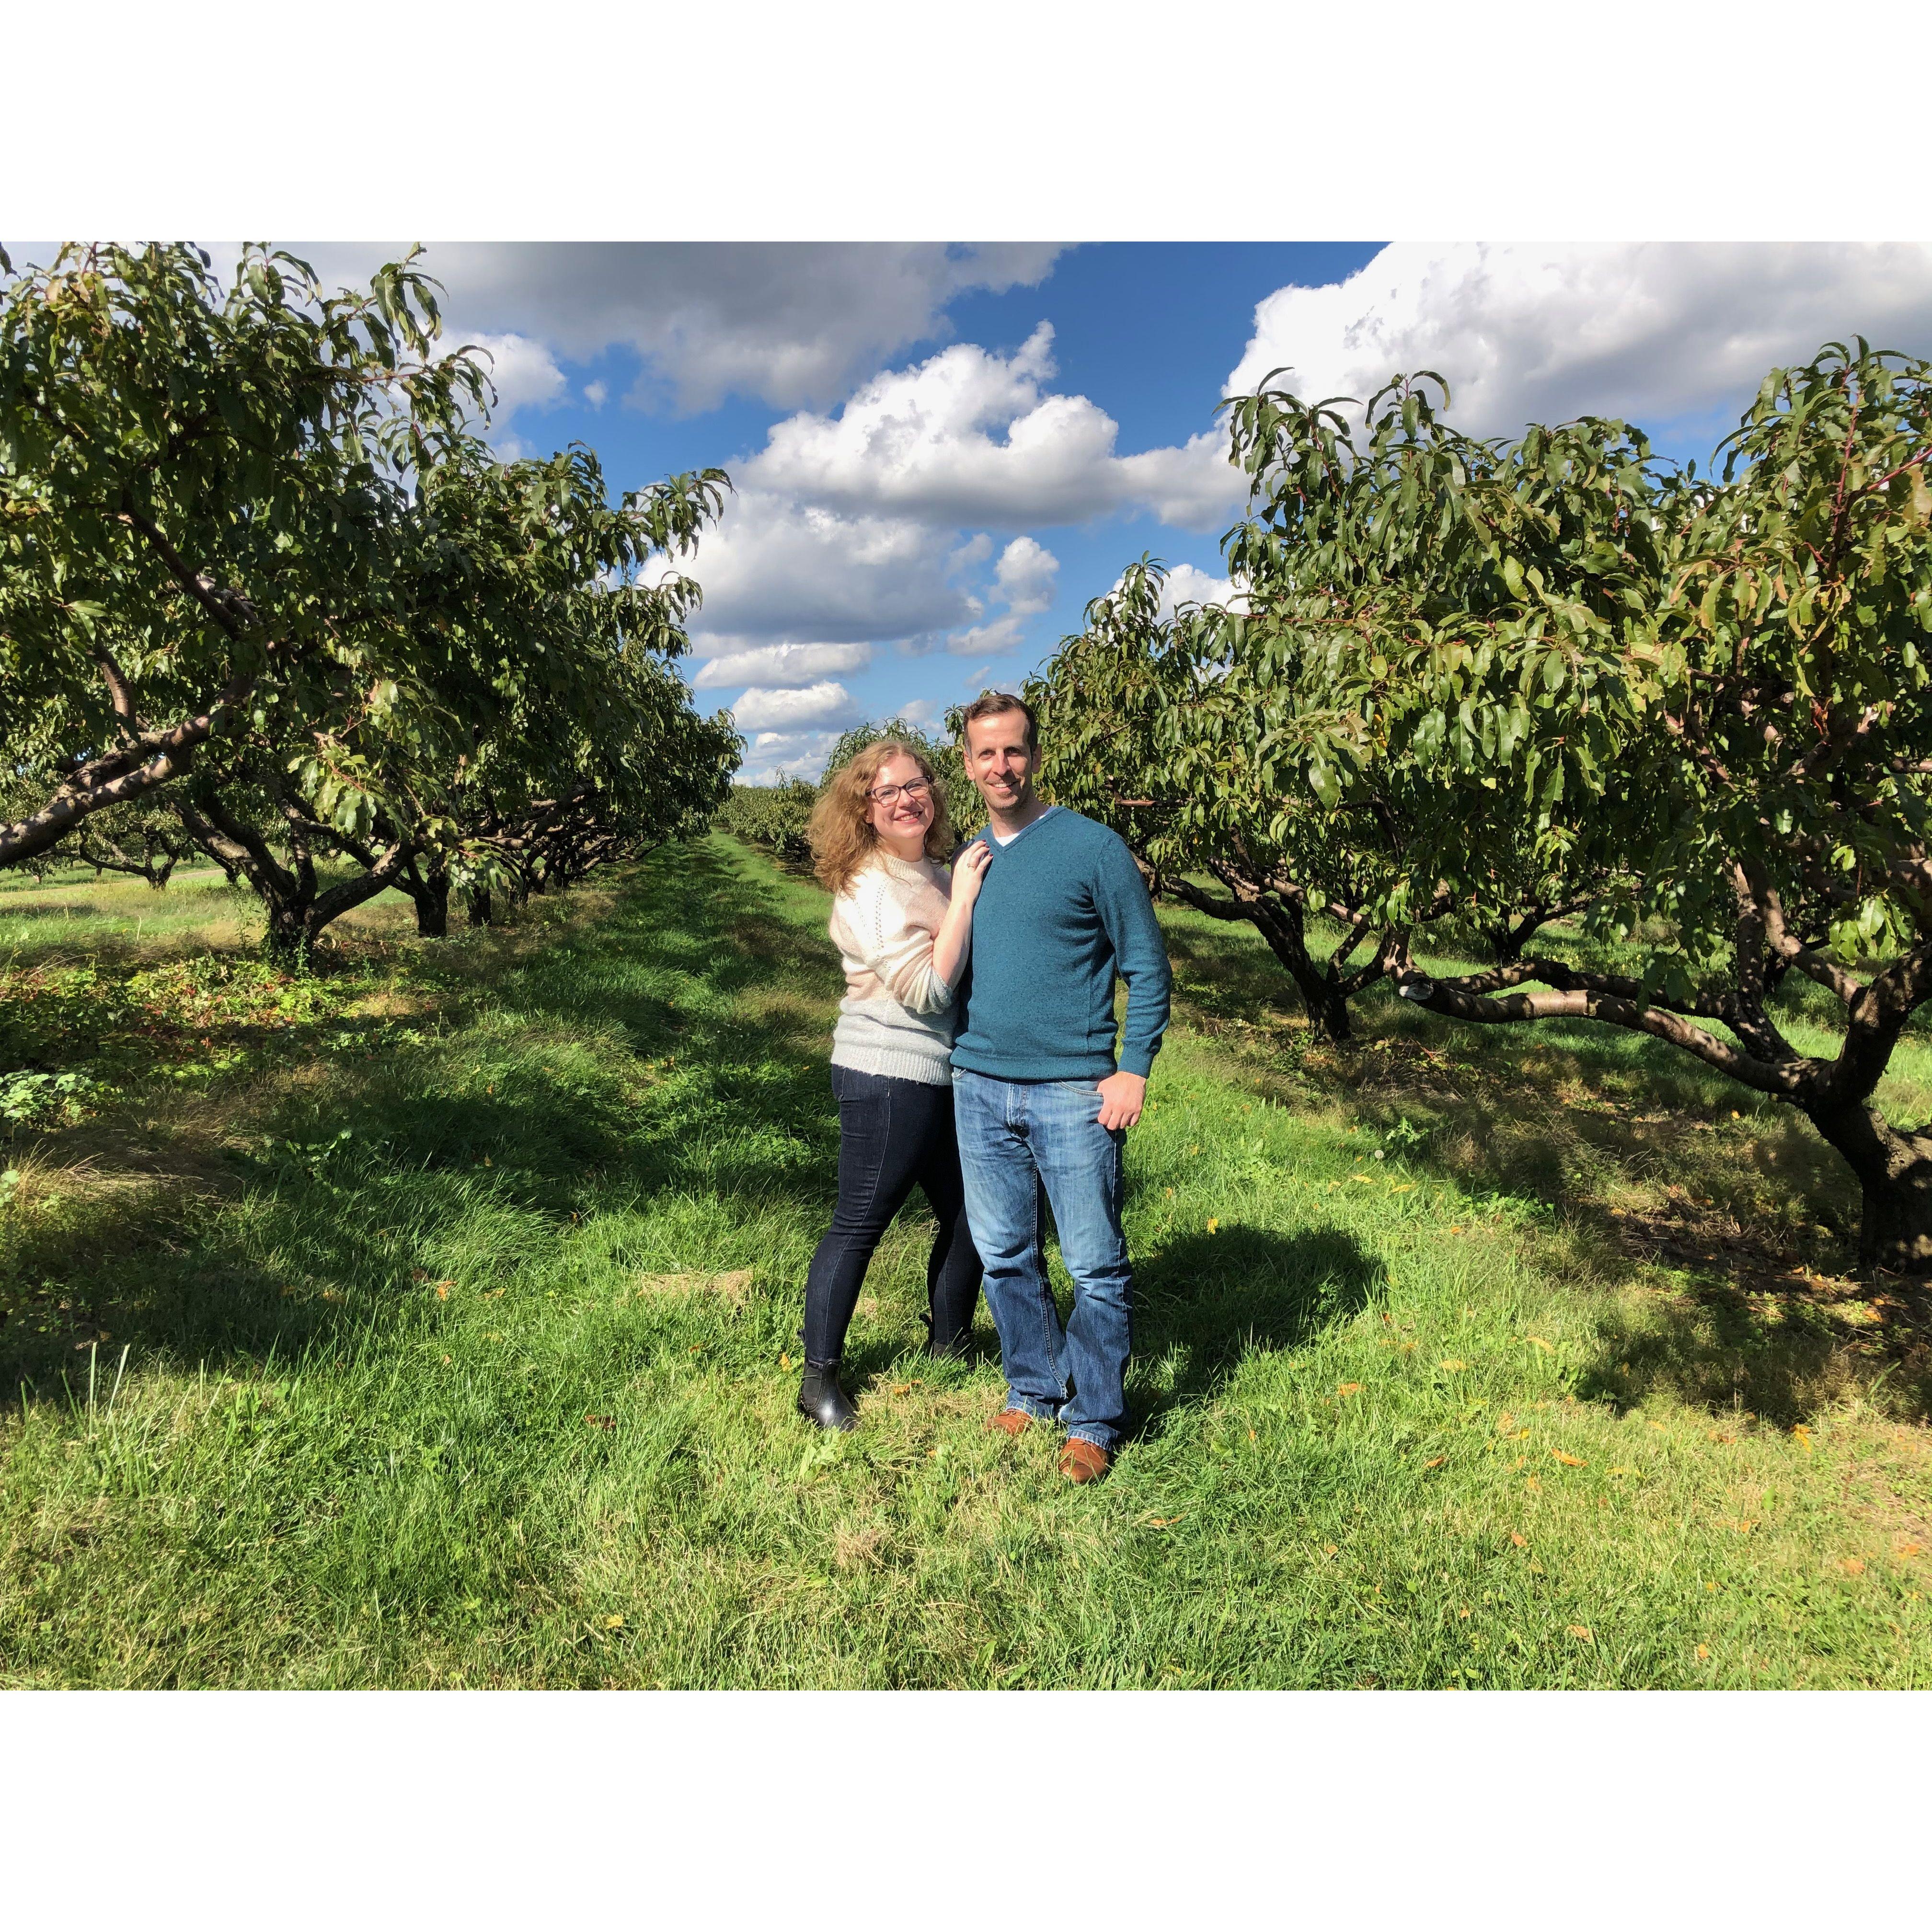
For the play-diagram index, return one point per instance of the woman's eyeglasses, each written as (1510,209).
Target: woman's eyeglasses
(913,788)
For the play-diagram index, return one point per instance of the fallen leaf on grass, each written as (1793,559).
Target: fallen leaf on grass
(601,1421)
(1521,1541)
(1804,1436)
(1163,1522)
(1580,1633)
(1703,1651)
(1457,1228)
(1570,1462)
(1349,1388)
(1404,1189)
(1213,1226)
(613,1623)
(1454,1365)
(901,1388)
(785,1361)
(1531,1482)
(1367,1179)
(1435,1462)
(1852,1566)
(442,1291)
(1548,1348)
(1328,1549)
(1907,1549)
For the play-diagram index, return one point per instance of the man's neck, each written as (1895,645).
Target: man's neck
(1007,823)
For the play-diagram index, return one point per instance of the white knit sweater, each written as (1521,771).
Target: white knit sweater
(896,1017)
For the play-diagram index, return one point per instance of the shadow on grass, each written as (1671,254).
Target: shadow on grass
(1203,1303)
(1649,1160)
(324,1191)
(1778,1360)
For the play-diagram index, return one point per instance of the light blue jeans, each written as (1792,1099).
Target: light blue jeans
(1015,1136)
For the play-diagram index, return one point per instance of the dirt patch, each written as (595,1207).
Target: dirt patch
(731,1287)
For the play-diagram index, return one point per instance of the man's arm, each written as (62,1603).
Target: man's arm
(1140,958)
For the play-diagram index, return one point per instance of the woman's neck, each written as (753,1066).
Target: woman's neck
(908,850)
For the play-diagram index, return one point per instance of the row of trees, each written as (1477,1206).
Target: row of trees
(266,595)
(1493,684)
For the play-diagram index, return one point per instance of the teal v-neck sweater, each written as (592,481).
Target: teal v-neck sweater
(1062,911)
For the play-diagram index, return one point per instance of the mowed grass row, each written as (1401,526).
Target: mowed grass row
(460,1318)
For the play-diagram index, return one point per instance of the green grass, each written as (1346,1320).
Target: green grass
(459,1291)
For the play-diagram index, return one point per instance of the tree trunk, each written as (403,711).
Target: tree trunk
(432,898)
(1895,1175)
(289,938)
(480,911)
(1326,1003)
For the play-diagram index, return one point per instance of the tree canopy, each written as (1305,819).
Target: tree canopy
(253,551)
(1491,679)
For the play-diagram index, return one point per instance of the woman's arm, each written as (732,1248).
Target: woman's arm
(950,944)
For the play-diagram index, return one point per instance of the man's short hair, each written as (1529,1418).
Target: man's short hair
(995,704)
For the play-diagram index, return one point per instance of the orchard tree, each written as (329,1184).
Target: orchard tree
(541,729)
(1286,757)
(276,496)
(201,496)
(1767,808)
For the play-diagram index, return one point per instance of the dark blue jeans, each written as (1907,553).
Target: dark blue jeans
(892,1134)
(1015,1136)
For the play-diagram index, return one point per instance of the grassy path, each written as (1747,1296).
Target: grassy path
(460,1328)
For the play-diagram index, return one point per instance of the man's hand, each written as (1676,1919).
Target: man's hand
(1122,1096)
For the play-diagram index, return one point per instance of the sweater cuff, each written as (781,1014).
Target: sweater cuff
(1133,1060)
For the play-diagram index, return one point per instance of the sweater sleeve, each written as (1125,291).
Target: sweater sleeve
(898,948)
(1140,954)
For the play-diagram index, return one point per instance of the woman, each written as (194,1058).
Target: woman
(879,841)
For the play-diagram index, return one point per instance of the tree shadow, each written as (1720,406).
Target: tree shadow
(1778,1360)
(1204,1304)
(319,1223)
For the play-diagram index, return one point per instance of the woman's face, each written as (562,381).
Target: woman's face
(903,815)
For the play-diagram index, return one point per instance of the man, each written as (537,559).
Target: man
(1037,1097)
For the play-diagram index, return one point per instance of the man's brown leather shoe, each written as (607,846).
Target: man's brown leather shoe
(1008,1421)
(1081,1461)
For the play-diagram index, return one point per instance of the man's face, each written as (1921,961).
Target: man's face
(998,762)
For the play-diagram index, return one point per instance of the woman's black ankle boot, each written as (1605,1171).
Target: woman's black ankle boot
(821,1400)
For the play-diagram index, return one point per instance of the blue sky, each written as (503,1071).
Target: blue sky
(942,453)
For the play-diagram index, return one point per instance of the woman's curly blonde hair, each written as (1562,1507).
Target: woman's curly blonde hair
(842,839)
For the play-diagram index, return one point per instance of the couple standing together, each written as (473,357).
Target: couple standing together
(974,1055)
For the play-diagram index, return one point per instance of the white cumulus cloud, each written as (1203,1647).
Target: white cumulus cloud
(1529,332)
(778,571)
(791,323)
(792,754)
(1187,585)
(761,709)
(782,665)
(969,437)
(1025,575)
